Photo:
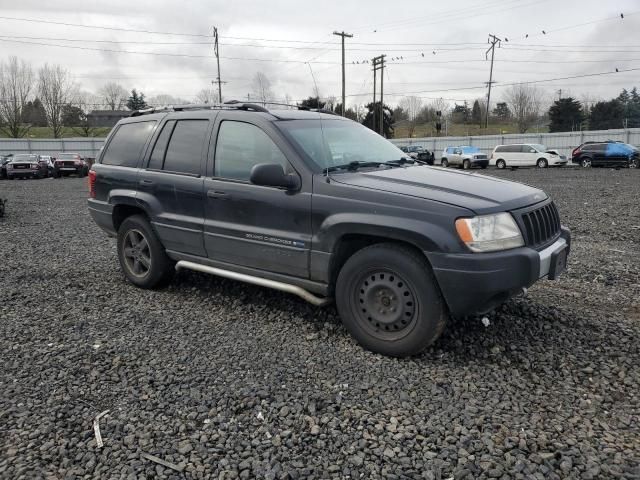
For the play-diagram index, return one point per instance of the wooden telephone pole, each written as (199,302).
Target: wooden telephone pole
(343,35)
(217,52)
(378,64)
(493,40)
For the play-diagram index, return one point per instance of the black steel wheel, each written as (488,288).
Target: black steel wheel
(501,164)
(389,300)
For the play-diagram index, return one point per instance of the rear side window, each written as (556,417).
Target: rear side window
(157,156)
(125,148)
(241,146)
(184,152)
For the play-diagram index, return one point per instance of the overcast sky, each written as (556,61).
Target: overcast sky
(442,45)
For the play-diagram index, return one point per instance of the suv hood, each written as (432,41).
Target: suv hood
(479,193)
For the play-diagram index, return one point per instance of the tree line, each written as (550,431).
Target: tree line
(48,97)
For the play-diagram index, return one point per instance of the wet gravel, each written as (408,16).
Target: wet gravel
(224,380)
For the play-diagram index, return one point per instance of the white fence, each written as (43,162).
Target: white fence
(565,142)
(87,147)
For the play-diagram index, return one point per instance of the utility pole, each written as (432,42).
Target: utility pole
(493,40)
(378,64)
(217,52)
(343,35)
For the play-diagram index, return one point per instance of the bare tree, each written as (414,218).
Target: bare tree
(16,84)
(525,102)
(113,95)
(261,87)
(165,100)
(207,95)
(412,106)
(84,102)
(56,90)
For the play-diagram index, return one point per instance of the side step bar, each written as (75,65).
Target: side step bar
(262,282)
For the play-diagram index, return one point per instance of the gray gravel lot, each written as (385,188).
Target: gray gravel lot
(226,380)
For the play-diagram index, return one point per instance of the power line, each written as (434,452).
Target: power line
(183,55)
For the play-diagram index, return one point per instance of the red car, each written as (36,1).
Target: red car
(27,166)
(70,164)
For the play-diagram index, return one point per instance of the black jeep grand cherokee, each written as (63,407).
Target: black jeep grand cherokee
(321,207)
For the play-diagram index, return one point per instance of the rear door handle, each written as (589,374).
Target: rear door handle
(146,182)
(217,194)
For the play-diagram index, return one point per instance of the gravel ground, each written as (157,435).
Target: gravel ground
(225,380)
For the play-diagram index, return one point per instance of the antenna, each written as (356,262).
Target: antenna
(324,142)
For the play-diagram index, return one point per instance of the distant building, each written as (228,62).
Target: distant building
(106,118)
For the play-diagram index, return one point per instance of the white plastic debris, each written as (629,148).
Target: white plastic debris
(96,428)
(260,416)
(485,321)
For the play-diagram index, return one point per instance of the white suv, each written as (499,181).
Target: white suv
(525,155)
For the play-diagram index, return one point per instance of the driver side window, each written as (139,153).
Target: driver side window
(239,147)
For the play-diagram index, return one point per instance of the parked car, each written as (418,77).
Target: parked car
(71,164)
(49,160)
(413,150)
(426,156)
(3,167)
(26,165)
(464,157)
(525,155)
(606,154)
(320,206)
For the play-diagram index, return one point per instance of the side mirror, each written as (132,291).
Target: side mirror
(273,175)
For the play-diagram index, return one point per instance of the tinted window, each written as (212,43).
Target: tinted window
(241,146)
(184,152)
(157,156)
(127,143)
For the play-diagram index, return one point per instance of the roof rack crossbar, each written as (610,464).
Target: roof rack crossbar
(234,104)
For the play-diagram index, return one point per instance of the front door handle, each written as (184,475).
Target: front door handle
(217,194)
(146,182)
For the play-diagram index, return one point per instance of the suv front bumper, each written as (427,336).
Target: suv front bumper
(477,282)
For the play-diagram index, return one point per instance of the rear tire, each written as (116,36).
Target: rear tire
(389,300)
(501,164)
(444,163)
(142,257)
(542,163)
(585,162)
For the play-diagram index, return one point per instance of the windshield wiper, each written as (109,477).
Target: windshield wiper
(404,160)
(353,166)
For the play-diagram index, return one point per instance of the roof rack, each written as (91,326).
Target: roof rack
(233,104)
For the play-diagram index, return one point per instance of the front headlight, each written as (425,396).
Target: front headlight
(488,233)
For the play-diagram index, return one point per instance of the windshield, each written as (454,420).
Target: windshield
(24,158)
(68,156)
(470,149)
(414,149)
(338,142)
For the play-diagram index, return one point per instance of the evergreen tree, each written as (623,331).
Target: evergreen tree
(502,111)
(72,116)
(387,121)
(34,114)
(606,115)
(476,113)
(461,113)
(136,101)
(312,102)
(565,115)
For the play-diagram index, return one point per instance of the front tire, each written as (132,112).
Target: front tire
(542,163)
(501,164)
(389,300)
(142,257)
(466,165)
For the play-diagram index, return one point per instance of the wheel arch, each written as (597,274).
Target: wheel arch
(122,211)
